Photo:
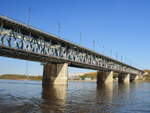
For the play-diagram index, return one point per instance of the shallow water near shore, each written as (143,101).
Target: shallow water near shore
(23,96)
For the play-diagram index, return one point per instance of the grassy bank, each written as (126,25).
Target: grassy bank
(20,77)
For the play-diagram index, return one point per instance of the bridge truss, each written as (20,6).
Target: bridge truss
(22,41)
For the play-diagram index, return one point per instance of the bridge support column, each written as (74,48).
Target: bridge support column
(124,78)
(104,77)
(55,74)
(136,77)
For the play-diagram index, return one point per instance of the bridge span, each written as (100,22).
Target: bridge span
(18,40)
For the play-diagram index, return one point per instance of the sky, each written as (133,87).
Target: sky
(118,27)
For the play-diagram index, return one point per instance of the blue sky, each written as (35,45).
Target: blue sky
(122,26)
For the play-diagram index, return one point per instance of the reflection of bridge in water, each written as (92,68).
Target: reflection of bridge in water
(21,41)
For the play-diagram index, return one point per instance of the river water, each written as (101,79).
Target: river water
(77,97)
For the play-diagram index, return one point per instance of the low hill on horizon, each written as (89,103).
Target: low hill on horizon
(147,76)
(20,77)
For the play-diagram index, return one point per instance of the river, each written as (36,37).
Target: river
(18,96)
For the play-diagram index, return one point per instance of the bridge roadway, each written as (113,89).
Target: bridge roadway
(22,41)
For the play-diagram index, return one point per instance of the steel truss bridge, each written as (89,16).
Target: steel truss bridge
(22,41)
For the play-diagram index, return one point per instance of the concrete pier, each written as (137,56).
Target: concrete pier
(124,78)
(55,74)
(136,77)
(105,77)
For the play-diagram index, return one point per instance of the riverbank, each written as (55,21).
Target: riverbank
(92,77)
(146,77)
(20,77)
(28,77)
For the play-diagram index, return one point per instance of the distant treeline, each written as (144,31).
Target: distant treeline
(20,77)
